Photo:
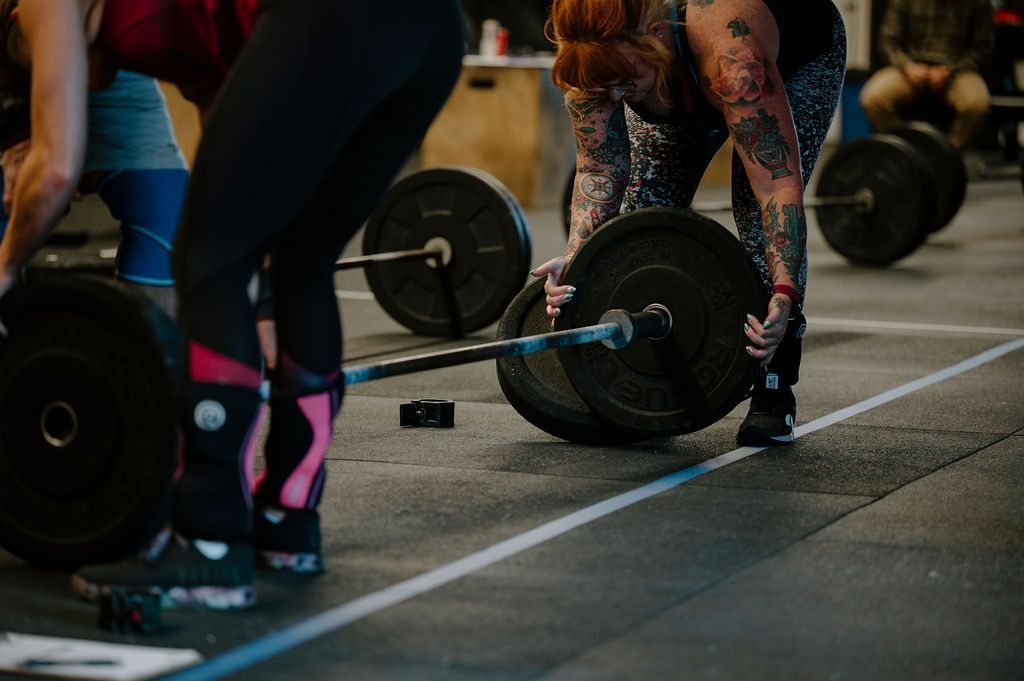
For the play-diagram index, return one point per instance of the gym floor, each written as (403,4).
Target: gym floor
(886,543)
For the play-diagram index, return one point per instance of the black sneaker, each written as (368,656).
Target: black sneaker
(189,574)
(770,420)
(287,540)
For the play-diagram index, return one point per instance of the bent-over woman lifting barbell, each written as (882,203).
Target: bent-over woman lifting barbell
(653,88)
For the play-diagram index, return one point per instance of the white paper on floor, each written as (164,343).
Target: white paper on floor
(68,658)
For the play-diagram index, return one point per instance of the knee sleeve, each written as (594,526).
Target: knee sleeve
(147,203)
(220,414)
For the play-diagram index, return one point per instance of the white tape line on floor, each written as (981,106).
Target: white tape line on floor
(252,653)
(916,327)
(341,294)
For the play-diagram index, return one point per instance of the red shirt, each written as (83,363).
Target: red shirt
(191,43)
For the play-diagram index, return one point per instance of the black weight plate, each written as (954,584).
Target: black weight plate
(489,238)
(700,272)
(87,431)
(570,185)
(946,162)
(903,187)
(526,242)
(536,384)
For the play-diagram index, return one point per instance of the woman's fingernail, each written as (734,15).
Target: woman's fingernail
(746,327)
(568,297)
(558,311)
(572,290)
(533,271)
(750,317)
(750,350)
(768,324)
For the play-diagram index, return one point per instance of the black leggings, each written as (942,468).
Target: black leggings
(324,105)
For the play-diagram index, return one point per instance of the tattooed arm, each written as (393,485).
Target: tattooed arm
(736,44)
(602,170)
(602,164)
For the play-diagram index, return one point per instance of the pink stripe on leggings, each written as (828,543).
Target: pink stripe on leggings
(206,365)
(299,486)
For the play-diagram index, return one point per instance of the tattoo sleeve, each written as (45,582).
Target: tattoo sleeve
(736,46)
(785,239)
(602,164)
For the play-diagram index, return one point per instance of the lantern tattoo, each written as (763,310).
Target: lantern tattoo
(763,143)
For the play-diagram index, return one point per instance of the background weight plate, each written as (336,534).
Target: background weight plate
(903,187)
(88,362)
(570,185)
(81,260)
(946,162)
(536,384)
(700,272)
(490,242)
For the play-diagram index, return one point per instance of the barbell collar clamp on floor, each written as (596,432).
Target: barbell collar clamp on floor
(863,200)
(616,329)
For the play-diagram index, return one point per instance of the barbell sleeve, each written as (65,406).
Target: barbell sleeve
(650,323)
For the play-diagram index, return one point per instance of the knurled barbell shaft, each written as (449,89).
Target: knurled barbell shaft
(391,256)
(650,323)
(862,199)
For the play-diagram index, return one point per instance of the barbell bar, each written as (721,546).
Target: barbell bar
(616,329)
(863,200)
(390,257)
(878,199)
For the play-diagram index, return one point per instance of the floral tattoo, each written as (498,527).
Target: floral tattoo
(740,77)
(763,143)
(785,241)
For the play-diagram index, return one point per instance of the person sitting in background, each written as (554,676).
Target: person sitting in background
(933,48)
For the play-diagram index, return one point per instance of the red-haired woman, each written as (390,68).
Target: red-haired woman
(308,119)
(653,88)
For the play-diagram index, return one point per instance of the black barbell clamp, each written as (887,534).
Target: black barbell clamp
(427,413)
